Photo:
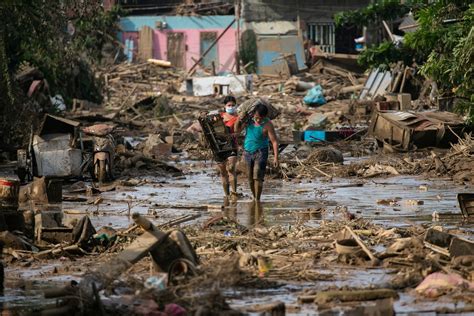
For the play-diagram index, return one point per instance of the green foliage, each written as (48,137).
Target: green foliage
(5,79)
(382,56)
(95,31)
(381,10)
(448,50)
(443,44)
(36,34)
(248,50)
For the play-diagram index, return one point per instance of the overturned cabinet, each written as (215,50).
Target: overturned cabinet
(408,130)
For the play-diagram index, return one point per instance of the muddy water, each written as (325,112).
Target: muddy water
(200,192)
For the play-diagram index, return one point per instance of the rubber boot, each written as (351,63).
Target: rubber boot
(258,189)
(233,186)
(225,186)
(252,187)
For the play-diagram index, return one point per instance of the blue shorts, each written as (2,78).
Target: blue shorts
(256,163)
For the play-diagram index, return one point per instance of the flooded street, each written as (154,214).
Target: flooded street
(201,193)
(285,203)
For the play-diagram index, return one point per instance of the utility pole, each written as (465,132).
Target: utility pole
(237,44)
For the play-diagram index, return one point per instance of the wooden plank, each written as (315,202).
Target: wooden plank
(362,245)
(113,268)
(466,204)
(354,295)
(139,248)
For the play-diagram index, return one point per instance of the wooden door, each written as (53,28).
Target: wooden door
(145,43)
(176,49)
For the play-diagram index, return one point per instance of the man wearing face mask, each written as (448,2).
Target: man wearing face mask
(227,164)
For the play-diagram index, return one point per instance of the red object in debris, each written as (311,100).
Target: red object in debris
(6,183)
(174,310)
(33,87)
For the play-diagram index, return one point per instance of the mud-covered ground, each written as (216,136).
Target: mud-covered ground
(294,226)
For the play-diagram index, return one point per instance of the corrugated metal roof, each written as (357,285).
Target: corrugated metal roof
(399,116)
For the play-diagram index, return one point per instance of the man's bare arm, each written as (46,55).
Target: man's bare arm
(274,139)
(240,124)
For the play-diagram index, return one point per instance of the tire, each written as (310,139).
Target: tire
(101,172)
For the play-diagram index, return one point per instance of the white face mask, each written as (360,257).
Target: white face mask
(230,110)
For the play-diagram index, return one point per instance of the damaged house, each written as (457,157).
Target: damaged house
(181,40)
(281,27)
(271,33)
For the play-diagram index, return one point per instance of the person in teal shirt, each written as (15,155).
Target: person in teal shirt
(259,131)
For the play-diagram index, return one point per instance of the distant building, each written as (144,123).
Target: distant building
(180,31)
(181,39)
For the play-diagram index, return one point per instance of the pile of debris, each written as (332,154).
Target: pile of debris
(335,80)
(127,84)
(201,262)
(458,161)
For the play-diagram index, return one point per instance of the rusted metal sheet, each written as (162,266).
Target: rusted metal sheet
(406,130)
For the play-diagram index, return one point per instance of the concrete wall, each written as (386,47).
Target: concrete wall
(191,26)
(309,10)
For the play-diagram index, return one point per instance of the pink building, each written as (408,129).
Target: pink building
(181,39)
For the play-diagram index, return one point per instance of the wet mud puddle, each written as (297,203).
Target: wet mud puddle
(394,201)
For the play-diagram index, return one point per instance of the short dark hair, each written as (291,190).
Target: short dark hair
(261,109)
(230,98)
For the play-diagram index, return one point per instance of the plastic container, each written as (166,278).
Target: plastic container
(157,282)
(347,246)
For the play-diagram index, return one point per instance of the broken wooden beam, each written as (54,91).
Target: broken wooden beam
(373,259)
(354,295)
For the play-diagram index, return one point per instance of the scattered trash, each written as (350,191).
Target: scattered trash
(156,282)
(438,283)
(315,96)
